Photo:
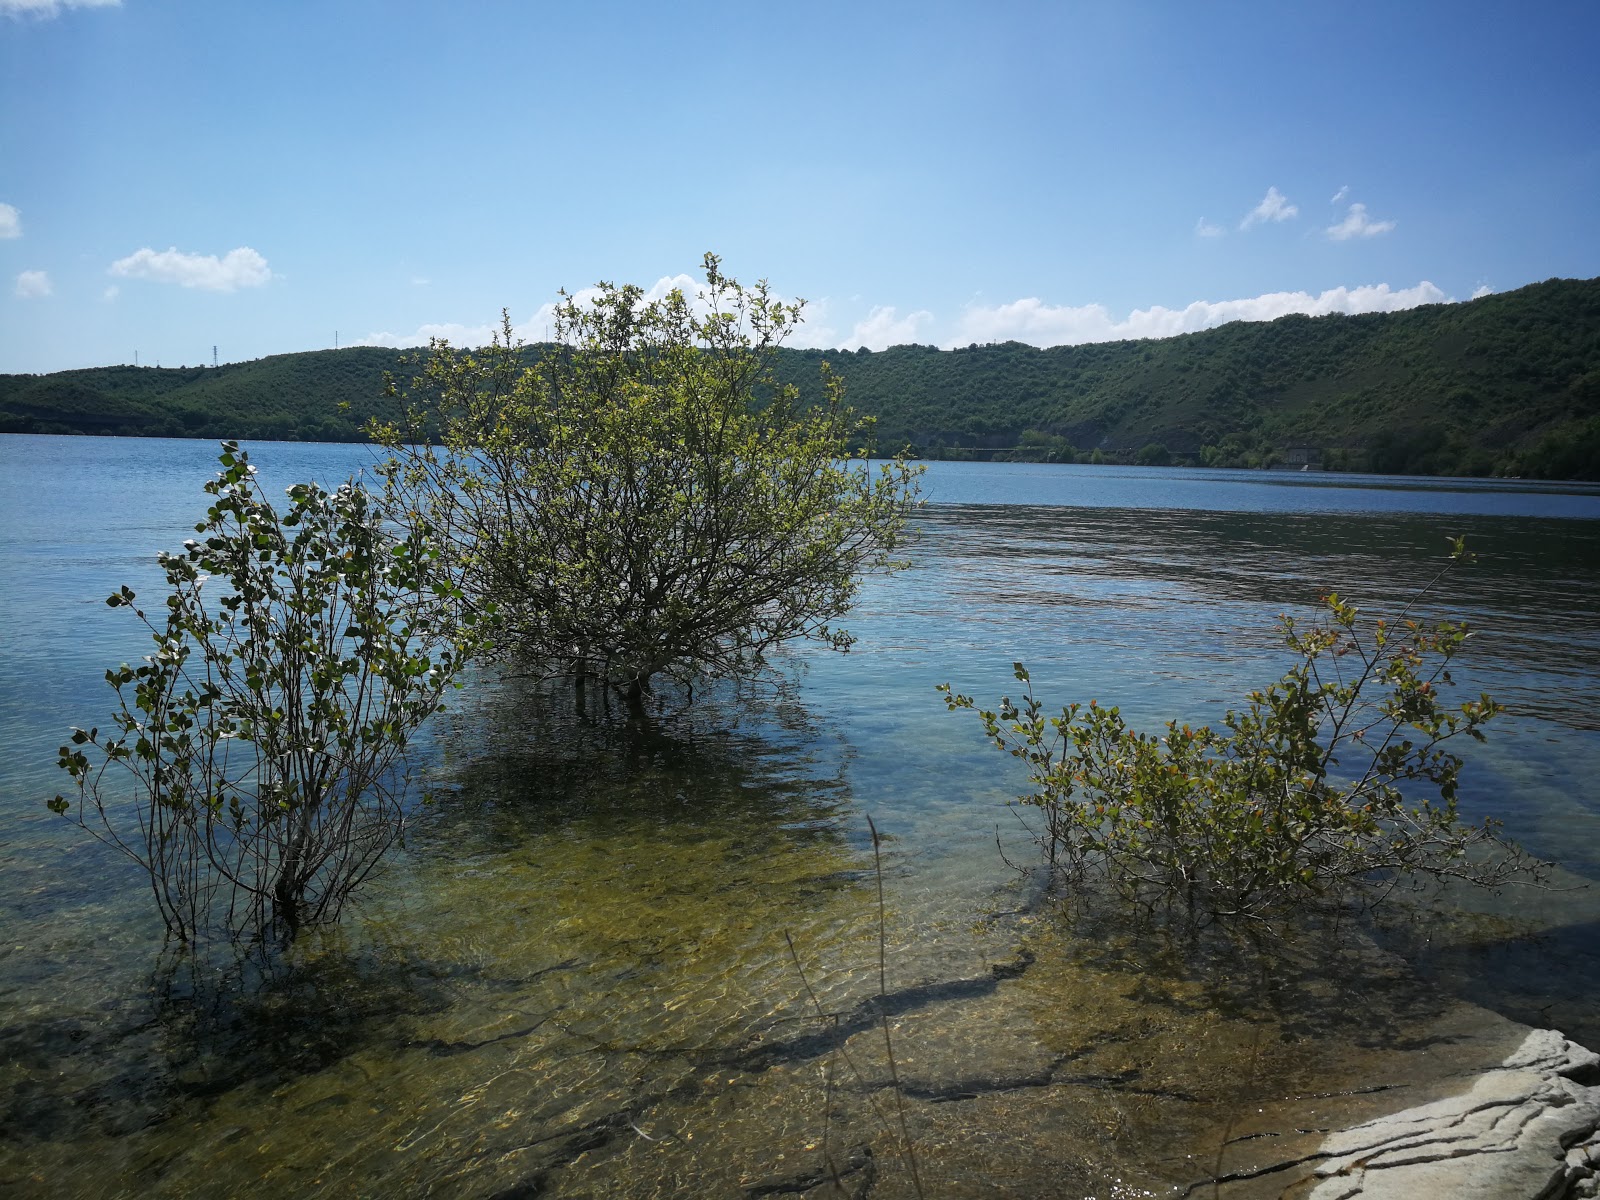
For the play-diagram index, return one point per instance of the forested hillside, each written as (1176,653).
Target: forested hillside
(287,396)
(1507,384)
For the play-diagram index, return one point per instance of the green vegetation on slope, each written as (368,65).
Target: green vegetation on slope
(288,396)
(1507,384)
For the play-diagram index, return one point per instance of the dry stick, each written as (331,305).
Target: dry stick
(827,1070)
(839,1050)
(907,1150)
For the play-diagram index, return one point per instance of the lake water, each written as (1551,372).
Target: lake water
(574,979)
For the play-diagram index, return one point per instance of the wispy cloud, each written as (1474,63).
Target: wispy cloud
(1357,224)
(31,284)
(1040,324)
(44,9)
(1206,229)
(10,221)
(239,268)
(1482,290)
(1274,206)
(1340,194)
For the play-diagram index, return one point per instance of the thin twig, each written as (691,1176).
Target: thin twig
(907,1150)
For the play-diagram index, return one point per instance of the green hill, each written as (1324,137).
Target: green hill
(1507,384)
(285,396)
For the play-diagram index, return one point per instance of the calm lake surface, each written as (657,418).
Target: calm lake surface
(574,979)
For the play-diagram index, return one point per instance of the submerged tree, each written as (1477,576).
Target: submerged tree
(1333,782)
(644,499)
(262,742)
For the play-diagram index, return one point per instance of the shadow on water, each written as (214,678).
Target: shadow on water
(663,859)
(1312,974)
(658,837)
(530,758)
(592,906)
(1546,976)
(201,1029)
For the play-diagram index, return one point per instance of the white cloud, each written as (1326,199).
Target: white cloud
(1028,320)
(33,283)
(1340,194)
(1482,290)
(461,336)
(1356,224)
(686,284)
(1204,228)
(539,326)
(814,331)
(882,328)
(10,221)
(1274,206)
(238,268)
(44,9)
(1040,324)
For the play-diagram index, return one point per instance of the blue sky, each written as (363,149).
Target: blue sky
(257,177)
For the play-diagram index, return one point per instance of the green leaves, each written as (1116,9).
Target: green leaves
(1305,793)
(263,737)
(645,498)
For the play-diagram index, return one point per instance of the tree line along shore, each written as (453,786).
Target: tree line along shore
(1505,385)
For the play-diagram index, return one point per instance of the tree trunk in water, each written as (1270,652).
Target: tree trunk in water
(289,890)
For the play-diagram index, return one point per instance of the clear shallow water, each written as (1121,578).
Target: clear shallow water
(575,976)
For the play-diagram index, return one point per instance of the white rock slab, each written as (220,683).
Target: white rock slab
(1526,1130)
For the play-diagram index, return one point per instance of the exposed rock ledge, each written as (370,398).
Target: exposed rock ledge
(1527,1130)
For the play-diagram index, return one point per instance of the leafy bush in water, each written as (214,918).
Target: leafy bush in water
(264,735)
(1307,793)
(646,500)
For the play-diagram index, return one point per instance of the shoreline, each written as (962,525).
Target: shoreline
(1526,1128)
